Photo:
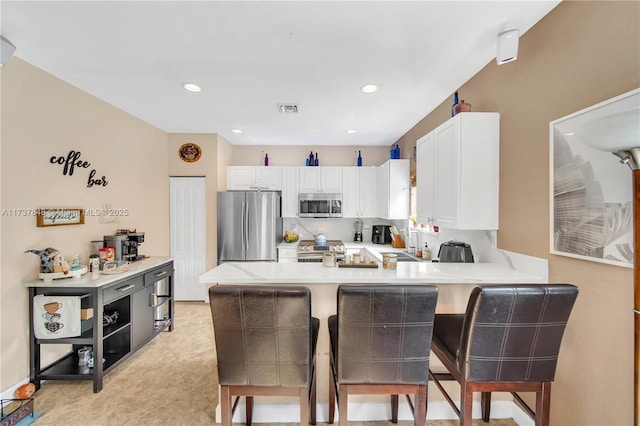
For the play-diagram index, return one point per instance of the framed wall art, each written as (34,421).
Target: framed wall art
(61,216)
(591,215)
(190,152)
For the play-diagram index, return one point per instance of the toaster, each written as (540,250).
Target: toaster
(455,251)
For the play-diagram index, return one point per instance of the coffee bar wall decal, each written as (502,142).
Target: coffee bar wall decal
(71,161)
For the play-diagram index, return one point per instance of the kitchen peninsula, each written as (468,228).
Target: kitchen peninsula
(454,280)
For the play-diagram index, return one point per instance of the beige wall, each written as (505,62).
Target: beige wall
(580,54)
(43,116)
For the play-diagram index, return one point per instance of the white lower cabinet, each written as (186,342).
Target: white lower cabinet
(457,170)
(359,192)
(250,178)
(288,254)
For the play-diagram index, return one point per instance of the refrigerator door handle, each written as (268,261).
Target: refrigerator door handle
(246,228)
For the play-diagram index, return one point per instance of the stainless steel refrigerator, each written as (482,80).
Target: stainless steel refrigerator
(249,226)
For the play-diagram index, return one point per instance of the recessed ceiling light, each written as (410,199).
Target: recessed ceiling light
(369,88)
(192,87)
(352,131)
(236,130)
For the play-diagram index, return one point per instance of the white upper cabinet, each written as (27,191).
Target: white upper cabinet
(251,178)
(394,189)
(458,172)
(290,191)
(320,179)
(359,192)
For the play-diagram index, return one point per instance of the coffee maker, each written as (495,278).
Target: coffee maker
(133,243)
(381,234)
(357,237)
(126,244)
(119,243)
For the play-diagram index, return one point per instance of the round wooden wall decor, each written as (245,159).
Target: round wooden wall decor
(190,152)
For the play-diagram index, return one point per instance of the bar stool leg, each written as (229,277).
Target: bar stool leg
(394,408)
(485,404)
(225,406)
(343,392)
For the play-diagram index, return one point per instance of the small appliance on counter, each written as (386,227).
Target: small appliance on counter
(118,244)
(126,244)
(381,234)
(357,237)
(455,251)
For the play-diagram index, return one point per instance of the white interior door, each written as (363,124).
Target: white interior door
(188,215)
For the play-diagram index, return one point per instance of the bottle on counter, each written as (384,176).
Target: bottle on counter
(426,252)
(266,159)
(311,159)
(359,159)
(316,162)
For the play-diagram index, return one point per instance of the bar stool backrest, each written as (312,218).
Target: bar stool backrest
(513,332)
(384,333)
(263,335)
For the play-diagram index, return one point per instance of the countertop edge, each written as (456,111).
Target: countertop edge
(87,282)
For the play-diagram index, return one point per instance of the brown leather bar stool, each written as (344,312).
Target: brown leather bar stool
(507,341)
(380,344)
(265,343)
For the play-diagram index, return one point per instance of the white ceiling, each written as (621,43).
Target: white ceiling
(250,56)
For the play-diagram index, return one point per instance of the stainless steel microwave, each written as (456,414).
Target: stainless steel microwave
(319,205)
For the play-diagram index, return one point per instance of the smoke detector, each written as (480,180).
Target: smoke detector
(288,108)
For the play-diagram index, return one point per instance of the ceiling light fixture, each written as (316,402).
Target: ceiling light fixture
(352,131)
(192,87)
(236,130)
(369,88)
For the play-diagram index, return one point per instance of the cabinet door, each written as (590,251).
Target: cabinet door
(290,191)
(447,154)
(368,194)
(331,179)
(350,192)
(399,189)
(309,179)
(240,178)
(142,317)
(382,181)
(425,183)
(288,255)
(268,177)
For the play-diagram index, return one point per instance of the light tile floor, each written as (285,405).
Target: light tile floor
(172,380)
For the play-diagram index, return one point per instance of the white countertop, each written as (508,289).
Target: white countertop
(406,273)
(86,280)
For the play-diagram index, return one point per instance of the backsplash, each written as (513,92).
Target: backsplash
(483,243)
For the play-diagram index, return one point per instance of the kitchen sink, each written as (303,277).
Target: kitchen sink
(402,257)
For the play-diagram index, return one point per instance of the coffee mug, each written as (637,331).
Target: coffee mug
(53,326)
(52,307)
(52,317)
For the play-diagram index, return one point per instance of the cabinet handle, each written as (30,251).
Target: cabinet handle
(126,287)
(160,274)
